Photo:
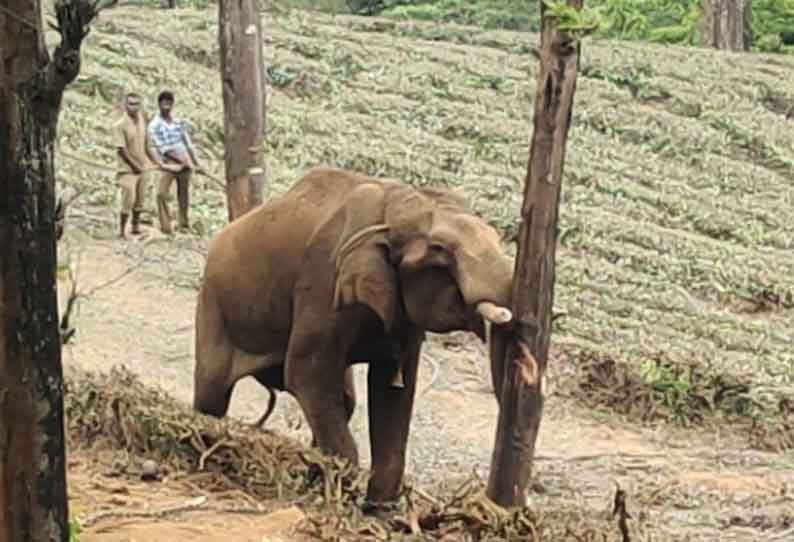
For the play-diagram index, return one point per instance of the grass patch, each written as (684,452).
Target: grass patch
(688,395)
(776,102)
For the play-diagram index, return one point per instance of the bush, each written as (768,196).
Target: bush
(772,17)
(366,7)
(504,14)
(770,43)
(661,21)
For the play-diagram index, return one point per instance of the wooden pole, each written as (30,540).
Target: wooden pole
(521,394)
(243,83)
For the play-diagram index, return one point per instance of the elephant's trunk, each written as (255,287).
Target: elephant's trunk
(485,281)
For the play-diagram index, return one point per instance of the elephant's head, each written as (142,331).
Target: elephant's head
(421,254)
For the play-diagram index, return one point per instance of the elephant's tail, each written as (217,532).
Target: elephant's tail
(271,404)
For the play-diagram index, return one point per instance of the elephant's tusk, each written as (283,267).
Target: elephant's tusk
(494,313)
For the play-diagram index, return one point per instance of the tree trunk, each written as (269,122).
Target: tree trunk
(726,24)
(520,392)
(33,505)
(243,80)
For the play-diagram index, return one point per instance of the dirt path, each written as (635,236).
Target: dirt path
(139,311)
(123,510)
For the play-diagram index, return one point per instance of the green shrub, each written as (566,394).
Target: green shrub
(773,17)
(770,43)
(504,14)
(366,7)
(74,530)
(661,21)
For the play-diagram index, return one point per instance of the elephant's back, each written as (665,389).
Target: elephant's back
(253,262)
(282,226)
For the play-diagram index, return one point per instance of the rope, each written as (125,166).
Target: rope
(105,167)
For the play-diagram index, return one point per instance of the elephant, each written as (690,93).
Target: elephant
(347,268)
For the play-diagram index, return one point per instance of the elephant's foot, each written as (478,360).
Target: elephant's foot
(385,485)
(380,510)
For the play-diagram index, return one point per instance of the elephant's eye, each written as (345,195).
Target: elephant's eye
(437,247)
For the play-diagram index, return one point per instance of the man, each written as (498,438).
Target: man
(177,159)
(135,162)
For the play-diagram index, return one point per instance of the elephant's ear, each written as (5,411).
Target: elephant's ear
(364,273)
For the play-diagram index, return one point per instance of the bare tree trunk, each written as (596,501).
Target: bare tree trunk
(726,24)
(243,79)
(33,505)
(520,393)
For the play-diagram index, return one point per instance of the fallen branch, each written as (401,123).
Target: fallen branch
(619,509)
(113,280)
(209,452)
(68,331)
(427,497)
(193,505)
(785,535)
(433,377)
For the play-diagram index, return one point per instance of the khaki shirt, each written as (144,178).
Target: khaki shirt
(131,136)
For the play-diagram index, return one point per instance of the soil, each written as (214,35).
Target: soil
(137,309)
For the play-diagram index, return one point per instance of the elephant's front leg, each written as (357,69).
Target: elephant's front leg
(320,385)
(390,411)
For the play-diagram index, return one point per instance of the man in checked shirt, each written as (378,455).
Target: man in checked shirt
(172,144)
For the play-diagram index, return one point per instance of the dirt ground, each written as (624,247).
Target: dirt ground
(137,310)
(169,511)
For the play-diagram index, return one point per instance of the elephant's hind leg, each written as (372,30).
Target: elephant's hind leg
(214,352)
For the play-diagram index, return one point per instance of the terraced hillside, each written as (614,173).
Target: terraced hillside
(676,258)
(675,222)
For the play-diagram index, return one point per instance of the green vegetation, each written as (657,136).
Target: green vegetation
(660,21)
(656,21)
(576,21)
(74,530)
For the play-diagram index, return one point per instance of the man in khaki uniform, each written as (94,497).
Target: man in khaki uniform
(135,161)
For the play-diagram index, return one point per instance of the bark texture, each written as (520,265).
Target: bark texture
(242,78)
(33,505)
(726,24)
(518,382)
